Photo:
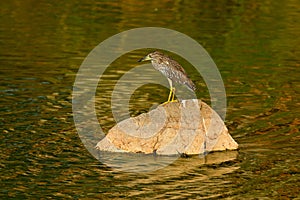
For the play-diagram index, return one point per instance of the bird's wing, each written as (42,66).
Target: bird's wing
(175,66)
(179,74)
(178,66)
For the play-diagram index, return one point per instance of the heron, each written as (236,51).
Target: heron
(172,70)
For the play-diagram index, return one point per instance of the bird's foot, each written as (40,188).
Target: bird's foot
(170,101)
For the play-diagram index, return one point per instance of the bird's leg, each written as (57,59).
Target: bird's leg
(170,94)
(171,91)
(173,95)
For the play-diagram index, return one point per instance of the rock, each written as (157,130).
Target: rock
(187,127)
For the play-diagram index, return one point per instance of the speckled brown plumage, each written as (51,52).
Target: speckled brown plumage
(170,69)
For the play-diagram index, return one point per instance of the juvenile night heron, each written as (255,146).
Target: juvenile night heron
(170,69)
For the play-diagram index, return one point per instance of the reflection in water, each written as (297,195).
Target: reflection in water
(255,45)
(187,176)
(146,163)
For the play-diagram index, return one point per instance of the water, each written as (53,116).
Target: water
(255,46)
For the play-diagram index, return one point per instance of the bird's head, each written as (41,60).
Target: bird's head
(154,55)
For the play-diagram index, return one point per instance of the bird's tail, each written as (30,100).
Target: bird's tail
(190,85)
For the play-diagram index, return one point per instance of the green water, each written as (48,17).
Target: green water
(255,45)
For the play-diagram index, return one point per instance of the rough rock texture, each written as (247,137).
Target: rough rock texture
(189,127)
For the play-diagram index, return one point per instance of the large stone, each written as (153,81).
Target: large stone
(189,127)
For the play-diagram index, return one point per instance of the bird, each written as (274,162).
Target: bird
(172,70)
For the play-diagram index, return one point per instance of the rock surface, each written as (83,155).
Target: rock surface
(189,127)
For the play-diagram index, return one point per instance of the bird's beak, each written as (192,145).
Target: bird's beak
(145,58)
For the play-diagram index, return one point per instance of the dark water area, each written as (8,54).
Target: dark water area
(255,45)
